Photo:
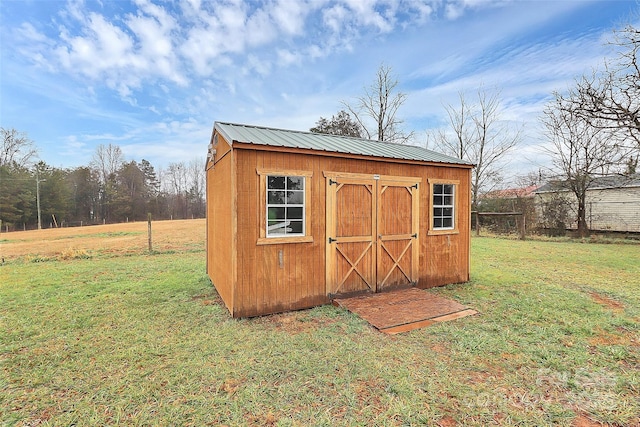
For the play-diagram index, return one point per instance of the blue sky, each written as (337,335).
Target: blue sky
(153,76)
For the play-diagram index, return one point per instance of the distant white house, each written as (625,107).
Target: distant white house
(613,203)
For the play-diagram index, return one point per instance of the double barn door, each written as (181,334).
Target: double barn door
(372,232)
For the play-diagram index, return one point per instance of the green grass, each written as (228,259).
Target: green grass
(144,340)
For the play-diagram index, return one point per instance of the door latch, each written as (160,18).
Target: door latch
(331,240)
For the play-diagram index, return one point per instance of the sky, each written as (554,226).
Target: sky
(153,76)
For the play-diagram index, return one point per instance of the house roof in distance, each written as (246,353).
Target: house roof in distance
(599,183)
(512,193)
(257,135)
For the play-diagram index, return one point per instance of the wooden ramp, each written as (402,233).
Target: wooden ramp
(403,310)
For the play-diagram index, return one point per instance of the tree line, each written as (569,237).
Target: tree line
(110,189)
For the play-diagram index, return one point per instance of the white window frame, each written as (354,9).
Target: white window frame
(285,205)
(453,206)
(264,236)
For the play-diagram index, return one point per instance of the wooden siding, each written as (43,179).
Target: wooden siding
(221,223)
(285,276)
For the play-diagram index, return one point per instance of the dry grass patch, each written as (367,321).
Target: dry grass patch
(607,302)
(109,239)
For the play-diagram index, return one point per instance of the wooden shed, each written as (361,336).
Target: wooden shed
(295,219)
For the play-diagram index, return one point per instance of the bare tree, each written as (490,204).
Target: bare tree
(197,186)
(380,103)
(17,149)
(177,179)
(610,98)
(581,150)
(107,160)
(477,134)
(340,124)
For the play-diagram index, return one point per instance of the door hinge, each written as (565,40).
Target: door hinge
(331,240)
(414,186)
(332,182)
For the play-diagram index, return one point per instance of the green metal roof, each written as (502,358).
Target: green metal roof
(258,135)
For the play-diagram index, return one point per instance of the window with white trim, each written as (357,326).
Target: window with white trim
(285,205)
(443,206)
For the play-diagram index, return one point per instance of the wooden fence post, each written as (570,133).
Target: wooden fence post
(149,231)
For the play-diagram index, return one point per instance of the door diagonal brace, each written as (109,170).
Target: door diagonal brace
(354,267)
(396,263)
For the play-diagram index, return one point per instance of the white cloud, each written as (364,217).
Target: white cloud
(217,33)
(286,57)
(257,65)
(33,45)
(259,29)
(27,31)
(155,47)
(366,14)
(103,46)
(159,43)
(335,17)
(454,9)
(122,52)
(424,12)
(289,16)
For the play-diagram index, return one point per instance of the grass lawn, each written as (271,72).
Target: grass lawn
(130,338)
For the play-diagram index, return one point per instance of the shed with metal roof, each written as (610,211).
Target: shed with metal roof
(295,219)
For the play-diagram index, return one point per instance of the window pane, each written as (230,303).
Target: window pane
(448,200)
(295,197)
(276,182)
(437,188)
(447,222)
(437,200)
(276,213)
(295,227)
(275,198)
(447,212)
(276,227)
(437,211)
(448,189)
(294,213)
(295,183)
(437,222)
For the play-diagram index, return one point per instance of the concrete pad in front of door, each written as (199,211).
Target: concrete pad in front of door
(403,310)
